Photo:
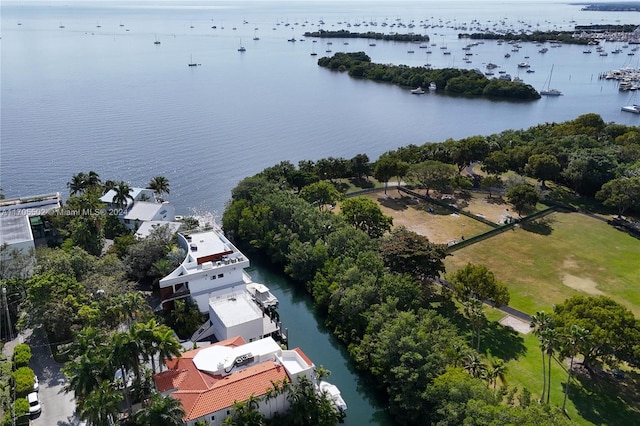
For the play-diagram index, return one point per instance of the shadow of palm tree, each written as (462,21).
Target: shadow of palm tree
(504,342)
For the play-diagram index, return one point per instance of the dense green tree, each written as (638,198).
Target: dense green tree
(613,328)
(469,150)
(407,252)
(477,282)
(384,169)
(496,163)
(489,183)
(433,175)
(53,301)
(365,214)
(360,166)
(589,169)
(86,373)
(522,197)
(542,167)
(23,378)
(310,408)
(621,193)
(320,194)
(142,255)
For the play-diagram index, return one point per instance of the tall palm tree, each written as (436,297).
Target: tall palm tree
(101,405)
(122,195)
(78,184)
(573,341)
(108,186)
(92,179)
(550,344)
(159,410)
(160,185)
(540,322)
(474,365)
(166,345)
(85,374)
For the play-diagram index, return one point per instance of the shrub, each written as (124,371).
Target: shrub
(21,355)
(23,378)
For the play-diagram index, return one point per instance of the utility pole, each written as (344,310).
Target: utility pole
(6,308)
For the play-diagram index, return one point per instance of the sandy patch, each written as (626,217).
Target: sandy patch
(516,323)
(586,285)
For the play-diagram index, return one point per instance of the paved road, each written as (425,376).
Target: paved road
(57,406)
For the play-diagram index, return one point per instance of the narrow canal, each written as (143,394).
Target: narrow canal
(307,330)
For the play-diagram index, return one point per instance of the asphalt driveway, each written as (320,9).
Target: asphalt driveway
(57,407)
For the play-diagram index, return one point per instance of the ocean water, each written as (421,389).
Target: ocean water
(99,95)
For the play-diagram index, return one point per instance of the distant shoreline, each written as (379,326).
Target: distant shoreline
(610,7)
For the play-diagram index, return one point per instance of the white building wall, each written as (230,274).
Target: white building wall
(279,404)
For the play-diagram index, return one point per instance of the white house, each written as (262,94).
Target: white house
(207,381)
(21,224)
(141,206)
(212,263)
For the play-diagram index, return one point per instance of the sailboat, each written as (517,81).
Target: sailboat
(157,41)
(191,63)
(547,90)
(241,48)
(632,107)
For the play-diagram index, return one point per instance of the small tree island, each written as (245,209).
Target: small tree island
(451,81)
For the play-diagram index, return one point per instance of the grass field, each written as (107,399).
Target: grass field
(543,263)
(562,255)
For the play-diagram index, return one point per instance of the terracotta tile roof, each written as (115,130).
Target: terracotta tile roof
(239,386)
(202,393)
(304,357)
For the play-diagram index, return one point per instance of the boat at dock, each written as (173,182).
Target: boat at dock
(417,91)
(635,108)
(333,393)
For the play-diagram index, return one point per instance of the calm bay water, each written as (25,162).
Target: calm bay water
(99,95)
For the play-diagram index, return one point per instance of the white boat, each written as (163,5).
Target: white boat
(432,86)
(635,108)
(417,91)
(261,295)
(547,90)
(523,65)
(333,392)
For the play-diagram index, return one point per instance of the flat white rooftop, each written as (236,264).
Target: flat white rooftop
(235,308)
(207,243)
(143,211)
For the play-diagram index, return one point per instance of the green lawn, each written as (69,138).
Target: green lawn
(600,401)
(562,255)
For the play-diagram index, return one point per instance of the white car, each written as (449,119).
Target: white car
(34,403)
(36,384)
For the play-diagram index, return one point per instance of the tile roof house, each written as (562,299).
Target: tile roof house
(208,380)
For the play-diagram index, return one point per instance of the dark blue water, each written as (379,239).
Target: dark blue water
(99,95)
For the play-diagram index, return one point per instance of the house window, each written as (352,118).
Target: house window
(213,277)
(220,275)
(127,221)
(213,417)
(228,412)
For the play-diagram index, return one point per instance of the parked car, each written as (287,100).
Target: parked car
(34,403)
(36,384)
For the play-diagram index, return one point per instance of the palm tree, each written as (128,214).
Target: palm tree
(540,322)
(122,195)
(101,405)
(474,366)
(109,185)
(78,184)
(166,345)
(496,370)
(161,411)
(92,179)
(550,342)
(573,341)
(85,374)
(160,185)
